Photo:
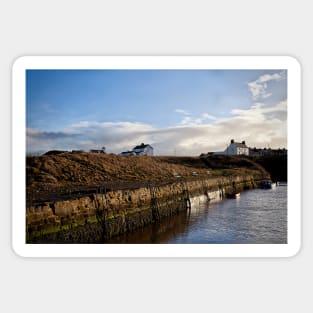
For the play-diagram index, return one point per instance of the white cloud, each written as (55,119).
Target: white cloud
(258,88)
(268,77)
(191,120)
(260,125)
(181,111)
(258,112)
(206,116)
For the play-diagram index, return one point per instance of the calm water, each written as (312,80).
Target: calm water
(258,216)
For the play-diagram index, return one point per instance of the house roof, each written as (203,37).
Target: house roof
(240,145)
(142,146)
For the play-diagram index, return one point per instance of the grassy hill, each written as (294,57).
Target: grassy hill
(90,168)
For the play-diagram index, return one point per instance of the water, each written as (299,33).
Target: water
(258,216)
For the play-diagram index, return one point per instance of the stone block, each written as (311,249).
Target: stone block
(63,208)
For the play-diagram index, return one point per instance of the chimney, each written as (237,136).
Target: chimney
(243,142)
(232,141)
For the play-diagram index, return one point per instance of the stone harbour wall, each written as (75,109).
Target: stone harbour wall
(92,219)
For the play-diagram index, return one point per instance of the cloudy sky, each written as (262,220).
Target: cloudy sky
(182,112)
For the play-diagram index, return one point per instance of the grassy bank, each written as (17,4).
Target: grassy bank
(89,168)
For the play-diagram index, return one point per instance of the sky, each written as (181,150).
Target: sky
(177,112)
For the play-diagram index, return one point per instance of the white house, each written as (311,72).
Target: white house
(143,150)
(139,150)
(235,148)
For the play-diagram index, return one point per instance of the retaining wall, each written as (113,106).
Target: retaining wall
(94,218)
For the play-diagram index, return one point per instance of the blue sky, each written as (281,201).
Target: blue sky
(186,111)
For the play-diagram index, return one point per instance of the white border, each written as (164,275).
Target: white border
(156,62)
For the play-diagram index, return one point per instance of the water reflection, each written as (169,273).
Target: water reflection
(160,232)
(258,216)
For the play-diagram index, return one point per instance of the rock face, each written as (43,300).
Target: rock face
(94,218)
